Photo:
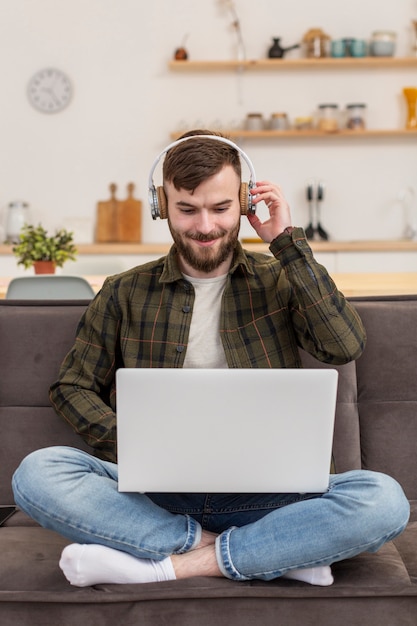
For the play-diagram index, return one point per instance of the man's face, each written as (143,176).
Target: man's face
(205,223)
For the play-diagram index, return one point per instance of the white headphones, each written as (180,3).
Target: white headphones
(157,198)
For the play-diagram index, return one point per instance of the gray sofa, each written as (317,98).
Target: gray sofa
(376,428)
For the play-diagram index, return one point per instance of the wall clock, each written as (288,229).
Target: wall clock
(49,90)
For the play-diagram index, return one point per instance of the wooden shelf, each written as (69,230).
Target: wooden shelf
(313,134)
(303,63)
(293,64)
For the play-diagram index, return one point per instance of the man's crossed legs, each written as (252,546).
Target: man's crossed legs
(130,537)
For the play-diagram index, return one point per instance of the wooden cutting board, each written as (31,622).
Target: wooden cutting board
(129,218)
(106,218)
(119,221)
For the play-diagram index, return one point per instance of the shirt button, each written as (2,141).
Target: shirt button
(186,309)
(180,348)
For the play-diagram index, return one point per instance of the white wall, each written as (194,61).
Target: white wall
(126,103)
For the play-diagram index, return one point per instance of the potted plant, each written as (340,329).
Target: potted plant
(44,252)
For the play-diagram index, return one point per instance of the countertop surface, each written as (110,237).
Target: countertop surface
(389,245)
(351,284)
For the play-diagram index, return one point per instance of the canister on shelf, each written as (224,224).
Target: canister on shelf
(383,43)
(303,122)
(316,43)
(279,121)
(328,118)
(255,121)
(356,116)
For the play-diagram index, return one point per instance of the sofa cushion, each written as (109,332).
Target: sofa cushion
(33,587)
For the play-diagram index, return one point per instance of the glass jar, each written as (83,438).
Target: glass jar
(316,44)
(414,47)
(17,217)
(304,122)
(255,121)
(328,118)
(355,116)
(383,43)
(279,121)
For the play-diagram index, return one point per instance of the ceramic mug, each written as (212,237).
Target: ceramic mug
(338,48)
(358,48)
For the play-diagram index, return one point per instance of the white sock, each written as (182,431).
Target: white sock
(321,575)
(93,564)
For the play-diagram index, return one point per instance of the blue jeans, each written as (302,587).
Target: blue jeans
(260,535)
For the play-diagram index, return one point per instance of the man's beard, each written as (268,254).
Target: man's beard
(206,259)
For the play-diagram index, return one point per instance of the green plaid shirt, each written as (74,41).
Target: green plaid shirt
(141,318)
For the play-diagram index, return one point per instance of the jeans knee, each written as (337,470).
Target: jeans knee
(34,470)
(37,460)
(375,501)
(393,499)
(391,509)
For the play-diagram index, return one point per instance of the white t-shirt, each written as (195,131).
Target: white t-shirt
(205,348)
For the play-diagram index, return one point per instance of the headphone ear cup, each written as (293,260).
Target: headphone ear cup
(162,203)
(244,198)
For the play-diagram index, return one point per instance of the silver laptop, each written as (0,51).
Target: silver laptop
(225,430)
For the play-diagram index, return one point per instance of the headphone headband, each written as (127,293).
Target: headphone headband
(154,194)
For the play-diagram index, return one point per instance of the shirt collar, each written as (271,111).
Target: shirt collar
(171,271)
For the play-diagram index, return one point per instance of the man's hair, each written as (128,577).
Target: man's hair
(191,162)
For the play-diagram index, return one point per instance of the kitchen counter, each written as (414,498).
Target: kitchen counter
(351,284)
(389,245)
(368,256)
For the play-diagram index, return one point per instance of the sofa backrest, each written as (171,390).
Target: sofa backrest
(34,338)
(387,388)
(376,418)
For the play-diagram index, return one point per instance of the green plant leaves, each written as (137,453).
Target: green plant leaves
(35,245)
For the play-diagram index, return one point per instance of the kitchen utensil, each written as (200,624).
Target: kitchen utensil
(129,220)
(276,51)
(309,231)
(319,198)
(315,196)
(107,217)
(119,220)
